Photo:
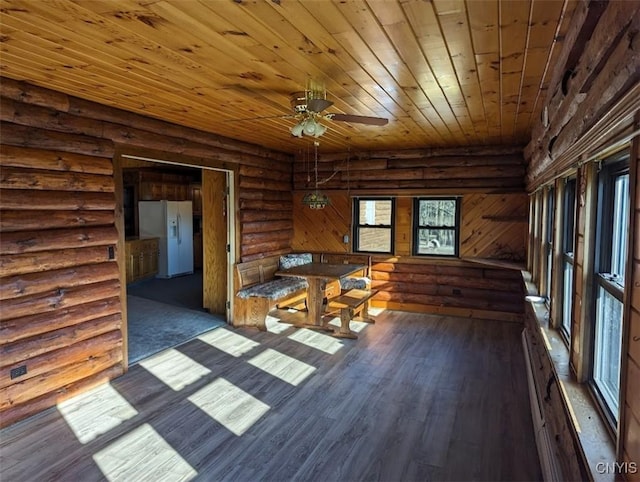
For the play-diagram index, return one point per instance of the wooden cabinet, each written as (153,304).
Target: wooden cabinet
(196,198)
(197,250)
(142,258)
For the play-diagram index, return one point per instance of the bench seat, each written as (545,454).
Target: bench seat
(275,289)
(350,304)
(258,290)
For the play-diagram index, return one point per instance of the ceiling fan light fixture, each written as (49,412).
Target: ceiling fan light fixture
(297,129)
(310,127)
(320,129)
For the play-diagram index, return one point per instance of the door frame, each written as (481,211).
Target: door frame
(162,157)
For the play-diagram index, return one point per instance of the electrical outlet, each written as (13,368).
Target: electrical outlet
(345,239)
(18,371)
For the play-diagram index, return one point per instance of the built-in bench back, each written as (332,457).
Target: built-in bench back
(295,259)
(257,271)
(347,258)
(262,270)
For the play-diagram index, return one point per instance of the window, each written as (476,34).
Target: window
(568,231)
(548,242)
(611,254)
(373,229)
(436,224)
(536,199)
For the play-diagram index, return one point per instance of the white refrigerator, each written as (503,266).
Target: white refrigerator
(172,223)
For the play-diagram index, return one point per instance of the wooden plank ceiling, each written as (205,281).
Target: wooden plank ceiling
(444,72)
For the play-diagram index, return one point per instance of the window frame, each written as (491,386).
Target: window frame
(569,211)
(357,225)
(548,240)
(416,226)
(610,170)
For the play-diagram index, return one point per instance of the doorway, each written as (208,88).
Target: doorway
(163,310)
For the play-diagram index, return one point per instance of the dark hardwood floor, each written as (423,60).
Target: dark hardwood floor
(415,398)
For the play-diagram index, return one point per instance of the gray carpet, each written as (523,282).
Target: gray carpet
(155,326)
(185,291)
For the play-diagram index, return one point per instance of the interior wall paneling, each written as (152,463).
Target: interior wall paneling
(558,420)
(594,90)
(265,211)
(453,287)
(494,226)
(61,313)
(121,254)
(404,221)
(319,230)
(436,170)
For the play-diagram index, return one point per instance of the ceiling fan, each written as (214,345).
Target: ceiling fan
(308,106)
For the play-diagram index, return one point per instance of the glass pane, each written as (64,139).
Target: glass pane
(569,215)
(438,212)
(437,241)
(375,212)
(567,297)
(608,339)
(620,217)
(549,270)
(550,213)
(374,239)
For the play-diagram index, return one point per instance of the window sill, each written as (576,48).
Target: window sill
(598,449)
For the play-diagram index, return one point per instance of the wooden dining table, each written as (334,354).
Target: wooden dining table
(317,275)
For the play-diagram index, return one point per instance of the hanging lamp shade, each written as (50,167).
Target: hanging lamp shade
(316,200)
(308,126)
(297,129)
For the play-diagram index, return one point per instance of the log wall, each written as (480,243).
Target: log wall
(594,92)
(265,211)
(593,104)
(60,280)
(493,225)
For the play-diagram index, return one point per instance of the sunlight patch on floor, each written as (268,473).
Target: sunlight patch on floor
(229,342)
(373,311)
(316,340)
(281,366)
(355,326)
(174,368)
(95,412)
(274,325)
(229,405)
(142,454)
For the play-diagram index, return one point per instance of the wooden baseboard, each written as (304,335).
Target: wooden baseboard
(449,311)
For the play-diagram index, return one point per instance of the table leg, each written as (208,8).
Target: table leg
(315,294)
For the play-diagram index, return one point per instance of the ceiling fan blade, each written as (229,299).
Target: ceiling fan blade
(358,119)
(318,105)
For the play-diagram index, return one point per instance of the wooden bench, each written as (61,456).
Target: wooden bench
(258,291)
(350,304)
